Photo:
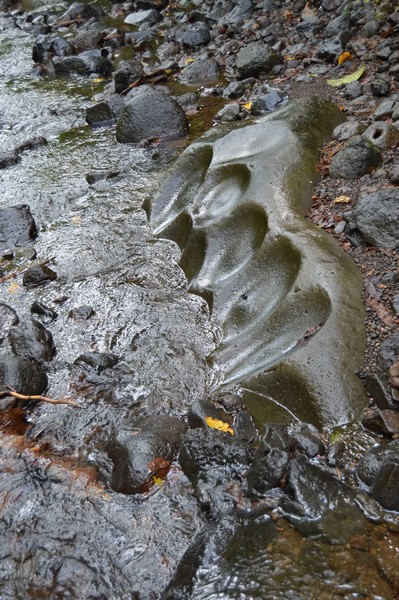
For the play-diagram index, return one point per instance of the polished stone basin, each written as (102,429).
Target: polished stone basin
(287,297)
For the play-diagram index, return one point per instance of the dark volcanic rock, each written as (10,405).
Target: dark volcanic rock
(40,49)
(17,226)
(200,71)
(357,158)
(8,317)
(141,17)
(38,275)
(140,452)
(81,313)
(379,469)
(127,73)
(197,35)
(150,113)
(389,352)
(314,491)
(379,388)
(8,158)
(98,361)
(62,47)
(80,10)
(385,422)
(266,103)
(70,64)
(84,64)
(105,112)
(382,135)
(256,58)
(32,340)
(376,217)
(39,308)
(22,376)
(278,443)
(215,463)
(31,144)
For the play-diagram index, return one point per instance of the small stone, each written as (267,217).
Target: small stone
(235,89)
(38,275)
(39,308)
(100,175)
(371,28)
(139,17)
(98,361)
(31,340)
(228,113)
(380,87)
(385,422)
(353,90)
(200,71)
(378,386)
(376,216)
(389,352)
(384,53)
(17,226)
(347,130)
(384,110)
(8,158)
(100,113)
(22,375)
(139,453)
(197,35)
(381,134)
(128,72)
(266,103)
(357,158)
(81,313)
(256,58)
(395,304)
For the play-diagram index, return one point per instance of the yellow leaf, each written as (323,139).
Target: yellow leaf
(247,105)
(348,78)
(157,480)
(344,57)
(219,425)
(98,80)
(342,200)
(188,61)
(13,287)
(168,71)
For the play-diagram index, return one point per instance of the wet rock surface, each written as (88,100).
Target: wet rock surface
(136,123)
(17,226)
(111,496)
(20,374)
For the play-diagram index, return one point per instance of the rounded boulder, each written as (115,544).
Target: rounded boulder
(150,113)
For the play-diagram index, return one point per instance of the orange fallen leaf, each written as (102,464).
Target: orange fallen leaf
(344,57)
(219,425)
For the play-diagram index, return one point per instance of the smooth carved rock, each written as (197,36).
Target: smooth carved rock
(288,298)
